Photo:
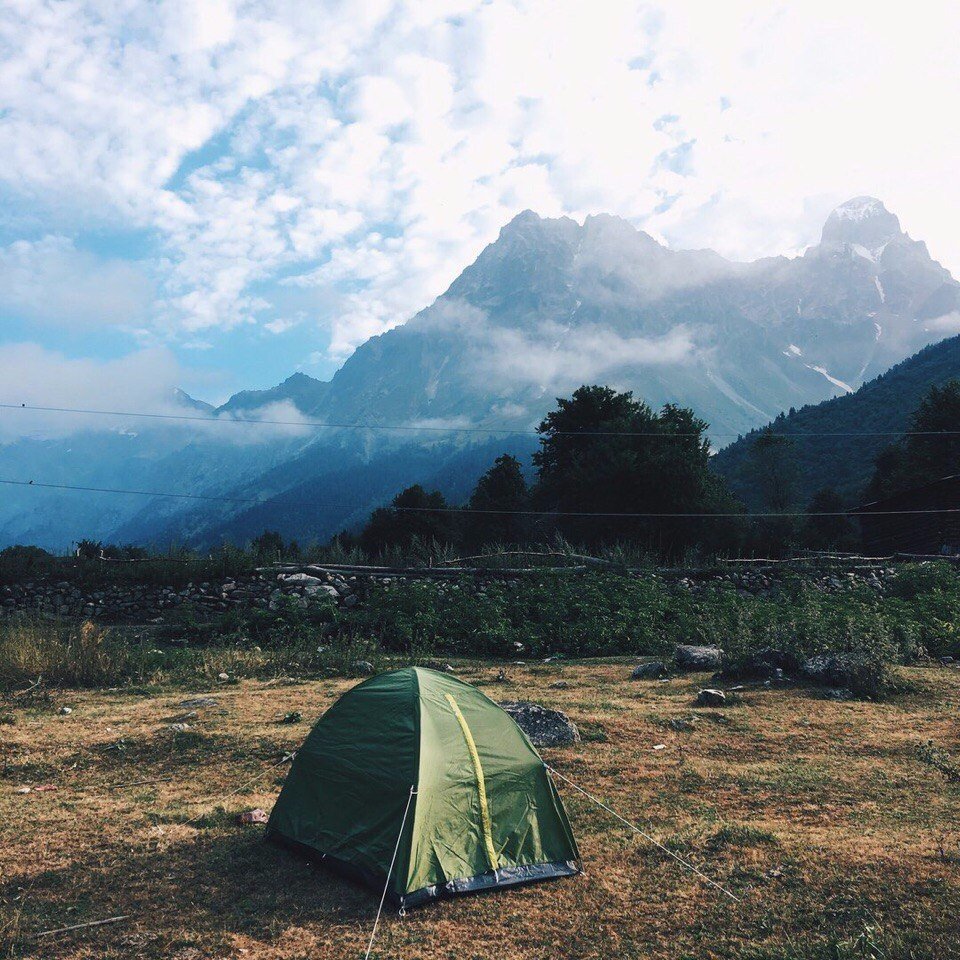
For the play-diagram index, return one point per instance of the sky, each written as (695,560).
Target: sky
(213,194)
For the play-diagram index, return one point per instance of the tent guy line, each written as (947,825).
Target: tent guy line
(472,510)
(646,836)
(438,428)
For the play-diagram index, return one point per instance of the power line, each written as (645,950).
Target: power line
(472,510)
(434,428)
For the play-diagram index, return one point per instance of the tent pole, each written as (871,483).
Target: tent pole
(393,860)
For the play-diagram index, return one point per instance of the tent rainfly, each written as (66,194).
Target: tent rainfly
(417,784)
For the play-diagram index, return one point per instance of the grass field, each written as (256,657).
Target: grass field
(829,820)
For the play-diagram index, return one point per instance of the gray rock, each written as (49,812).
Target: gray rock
(837,693)
(303,579)
(178,727)
(693,658)
(350,601)
(832,671)
(648,671)
(711,698)
(544,727)
(198,703)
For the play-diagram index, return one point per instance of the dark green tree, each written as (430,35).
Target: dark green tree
(414,517)
(502,488)
(603,452)
(826,526)
(268,547)
(930,451)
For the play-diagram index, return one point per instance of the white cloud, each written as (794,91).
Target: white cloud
(51,281)
(33,375)
(145,381)
(371,148)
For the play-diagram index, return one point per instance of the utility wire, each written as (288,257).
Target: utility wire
(433,428)
(527,513)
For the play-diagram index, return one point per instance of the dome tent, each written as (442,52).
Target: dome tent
(419,750)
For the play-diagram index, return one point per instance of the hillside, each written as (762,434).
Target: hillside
(846,462)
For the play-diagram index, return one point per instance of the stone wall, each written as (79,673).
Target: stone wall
(149,603)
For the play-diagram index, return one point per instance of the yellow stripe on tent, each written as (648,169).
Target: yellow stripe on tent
(485,824)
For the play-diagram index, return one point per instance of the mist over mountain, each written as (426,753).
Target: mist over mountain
(551,304)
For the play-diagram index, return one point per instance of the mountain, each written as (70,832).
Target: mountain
(305,393)
(882,406)
(549,305)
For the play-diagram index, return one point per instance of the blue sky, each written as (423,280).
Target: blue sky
(216,194)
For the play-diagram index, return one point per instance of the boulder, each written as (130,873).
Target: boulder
(649,671)
(544,727)
(831,671)
(767,663)
(694,658)
(711,697)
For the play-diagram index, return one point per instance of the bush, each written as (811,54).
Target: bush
(74,656)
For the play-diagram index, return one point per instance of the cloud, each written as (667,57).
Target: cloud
(551,357)
(33,375)
(51,281)
(947,324)
(367,150)
(142,382)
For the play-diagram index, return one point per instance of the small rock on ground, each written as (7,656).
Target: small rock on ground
(544,727)
(560,685)
(197,703)
(711,698)
(649,671)
(689,657)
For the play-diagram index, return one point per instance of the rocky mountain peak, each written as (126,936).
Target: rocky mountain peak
(864,221)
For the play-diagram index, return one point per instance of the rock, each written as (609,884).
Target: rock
(350,601)
(711,698)
(837,693)
(439,666)
(560,685)
(362,666)
(178,727)
(23,790)
(649,671)
(294,716)
(831,671)
(65,711)
(198,703)
(544,727)
(223,677)
(252,816)
(681,725)
(693,658)
(768,663)
(301,579)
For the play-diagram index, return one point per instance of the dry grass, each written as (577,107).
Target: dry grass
(821,815)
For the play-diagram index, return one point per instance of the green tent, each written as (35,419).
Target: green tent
(421,750)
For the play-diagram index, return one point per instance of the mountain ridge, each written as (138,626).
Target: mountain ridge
(547,306)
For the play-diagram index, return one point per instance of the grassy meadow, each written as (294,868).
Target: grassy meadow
(834,821)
